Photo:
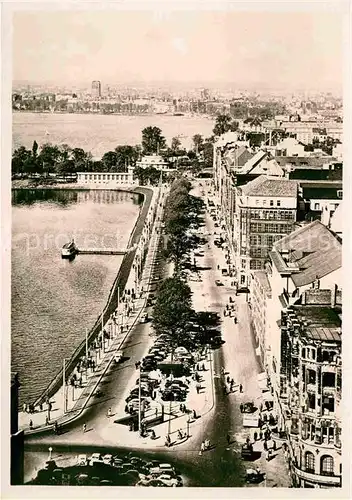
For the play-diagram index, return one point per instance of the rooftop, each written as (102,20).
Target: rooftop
(271,186)
(310,161)
(324,191)
(323,323)
(309,253)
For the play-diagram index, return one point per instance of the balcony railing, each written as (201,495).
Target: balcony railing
(317,478)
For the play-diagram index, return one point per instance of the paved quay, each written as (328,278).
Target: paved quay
(77,397)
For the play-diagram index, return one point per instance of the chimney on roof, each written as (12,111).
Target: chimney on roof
(333,296)
(316,283)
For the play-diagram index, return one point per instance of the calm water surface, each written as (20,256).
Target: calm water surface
(53,299)
(101,133)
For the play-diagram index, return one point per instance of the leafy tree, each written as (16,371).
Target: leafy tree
(34,149)
(198,142)
(208,153)
(223,124)
(20,158)
(152,140)
(109,161)
(49,157)
(173,310)
(175,144)
(125,156)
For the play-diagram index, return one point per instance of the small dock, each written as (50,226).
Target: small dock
(100,251)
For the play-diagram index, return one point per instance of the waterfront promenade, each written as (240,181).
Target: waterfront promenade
(46,413)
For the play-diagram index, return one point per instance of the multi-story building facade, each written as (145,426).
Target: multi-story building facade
(311,367)
(311,255)
(265,211)
(96,89)
(296,318)
(155,161)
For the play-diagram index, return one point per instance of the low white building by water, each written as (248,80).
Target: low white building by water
(107,179)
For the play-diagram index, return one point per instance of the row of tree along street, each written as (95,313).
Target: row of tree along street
(173,313)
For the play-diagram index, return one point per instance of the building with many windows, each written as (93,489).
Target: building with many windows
(265,211)
(155,161)
(106,179)
(96,89)
(311,369)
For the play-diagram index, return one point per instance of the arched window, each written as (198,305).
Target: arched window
(327,465)
(310,462)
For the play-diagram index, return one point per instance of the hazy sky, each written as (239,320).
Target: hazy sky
(274,49)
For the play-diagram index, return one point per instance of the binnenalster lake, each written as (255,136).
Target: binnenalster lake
(54,299)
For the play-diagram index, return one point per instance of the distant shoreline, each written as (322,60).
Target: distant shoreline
(176,115)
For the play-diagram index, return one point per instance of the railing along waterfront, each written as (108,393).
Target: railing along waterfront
(119,284)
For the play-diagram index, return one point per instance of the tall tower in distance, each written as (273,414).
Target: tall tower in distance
(96,88)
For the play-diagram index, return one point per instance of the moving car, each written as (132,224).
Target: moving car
(144,318)
(118,357)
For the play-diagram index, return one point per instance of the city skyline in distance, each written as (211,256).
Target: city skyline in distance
(240,50)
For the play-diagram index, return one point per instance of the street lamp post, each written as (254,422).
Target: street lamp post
(140,402)
(64,385)
(50,450)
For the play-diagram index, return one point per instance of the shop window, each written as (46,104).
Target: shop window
(309,462)
(243,279)
(327,465)
(329,379)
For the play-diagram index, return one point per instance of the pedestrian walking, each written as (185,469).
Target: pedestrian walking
(194,414)
(109,412)
(203,367)
(265,446)
(241,388)
(25,407)
(255,436)
(235,320)
(241,407)
(126,408)
(179,433)
(47,420)
(228,438)
(31,424)
(84,428)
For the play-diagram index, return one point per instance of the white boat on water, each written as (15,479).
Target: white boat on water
(69,250)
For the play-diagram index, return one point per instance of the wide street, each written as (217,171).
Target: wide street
(219,466)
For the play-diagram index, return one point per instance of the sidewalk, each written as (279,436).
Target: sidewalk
(78,397)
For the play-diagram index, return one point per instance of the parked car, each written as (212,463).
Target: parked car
(95,458)
(218,283)
(108,459)
(168,480)
(82,460)
(247,451)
